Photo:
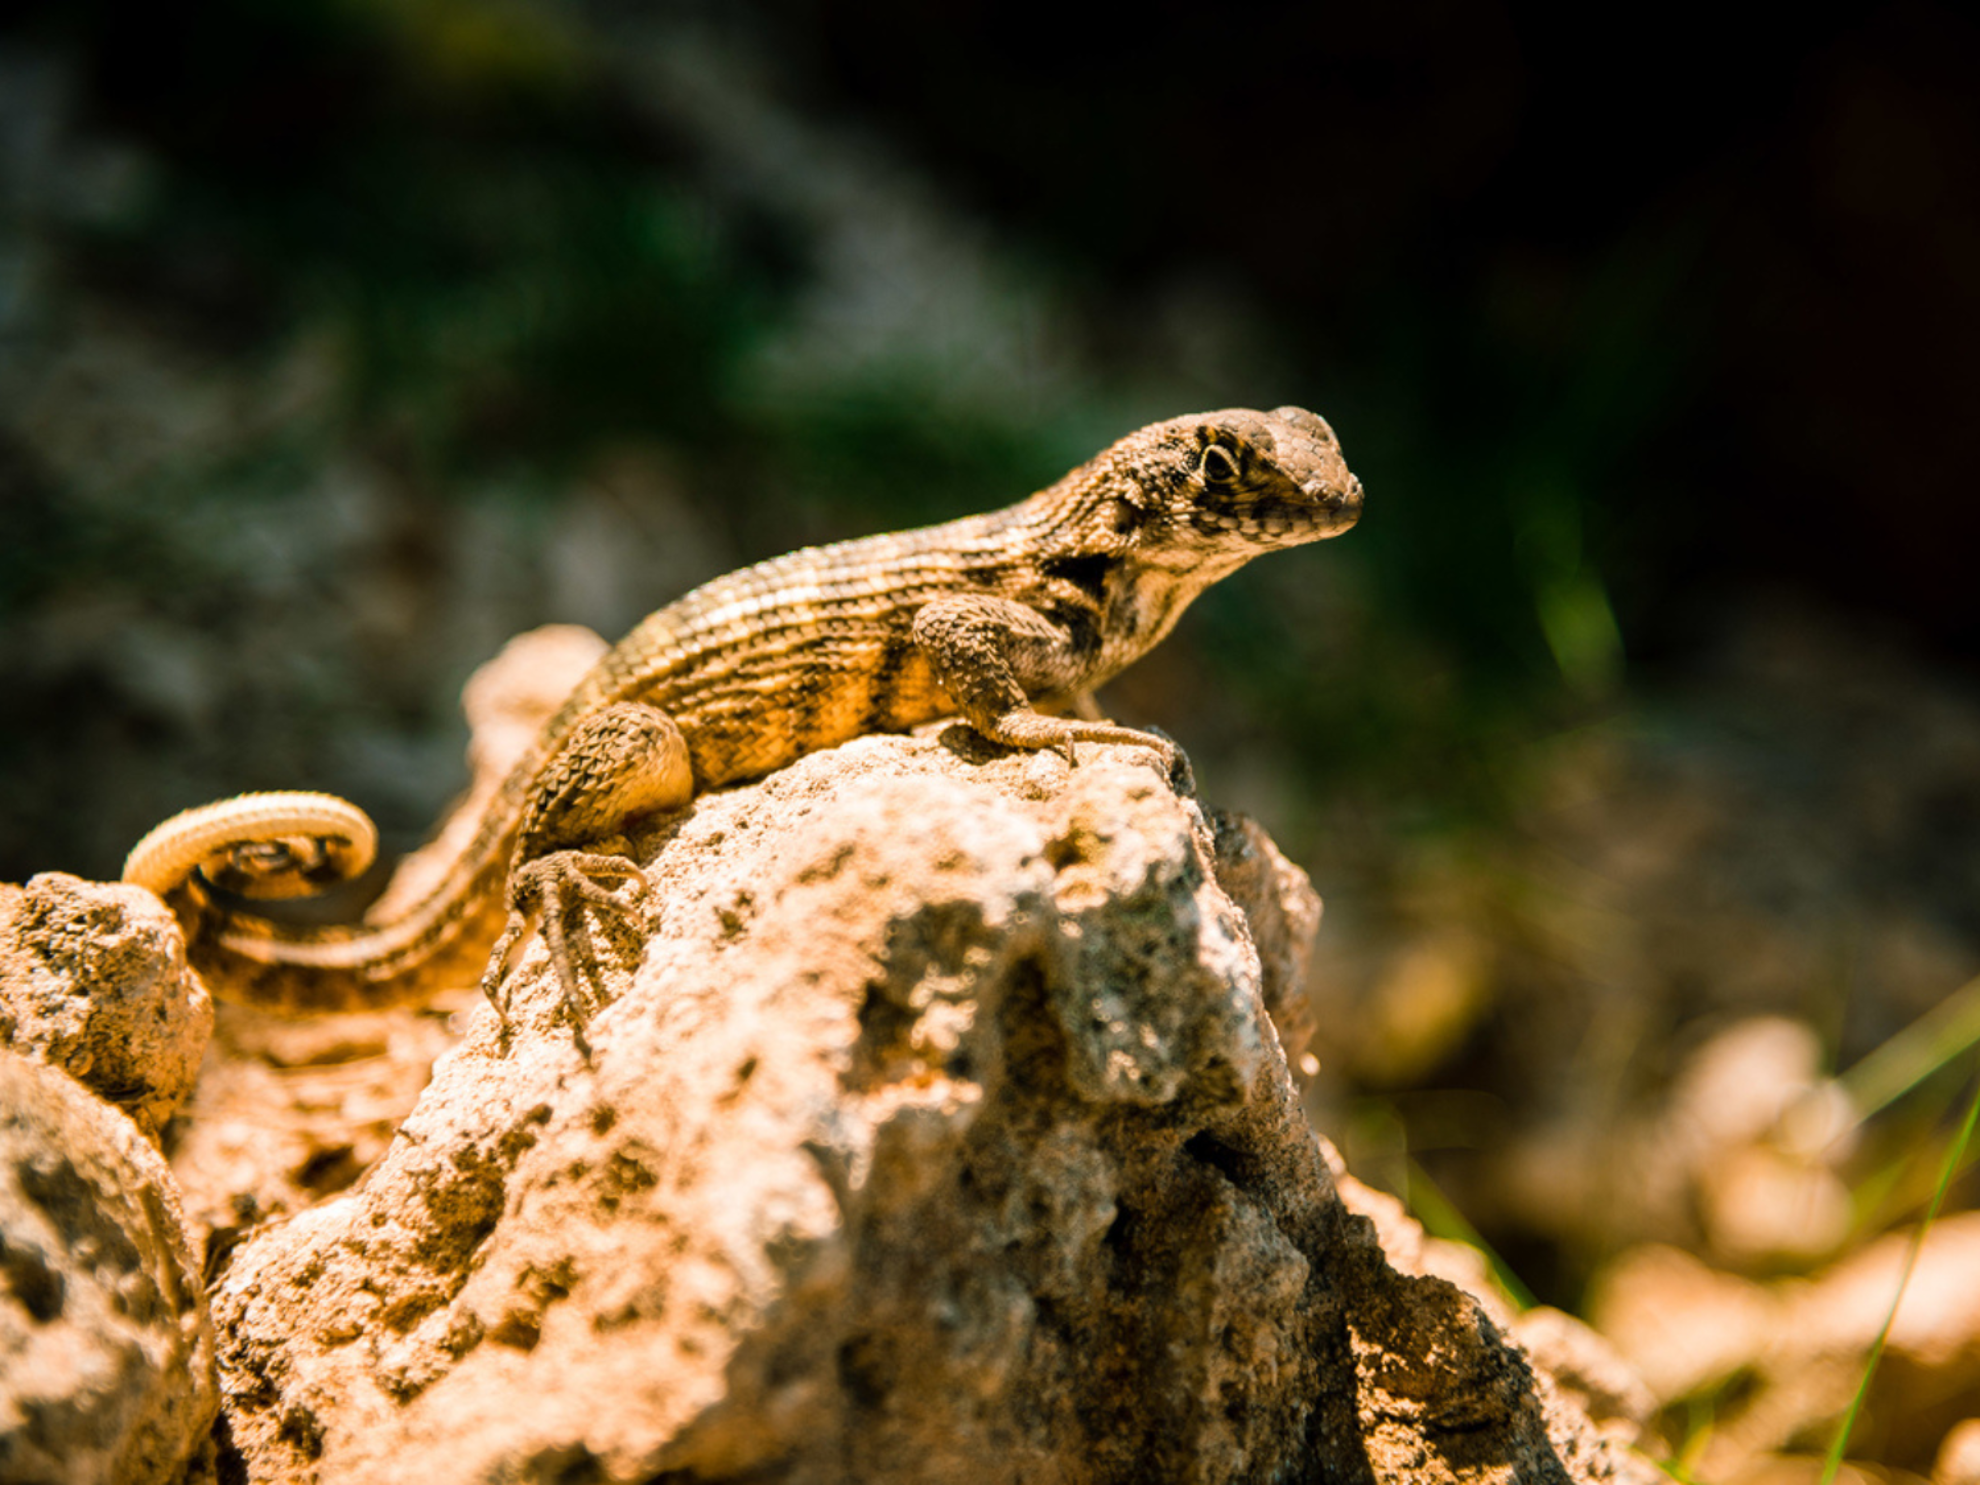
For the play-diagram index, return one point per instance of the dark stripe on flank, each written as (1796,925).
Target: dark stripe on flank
(895,651)
(1088,573)
(811,692)
(1082,628)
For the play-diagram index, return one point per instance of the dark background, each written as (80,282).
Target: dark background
(338,341)
(1723,275)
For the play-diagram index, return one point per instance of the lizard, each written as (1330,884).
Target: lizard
(1000,619)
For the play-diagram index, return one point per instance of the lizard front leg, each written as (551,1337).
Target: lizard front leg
(993,654)
(625,760)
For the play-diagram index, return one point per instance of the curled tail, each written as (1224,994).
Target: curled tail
(213,864)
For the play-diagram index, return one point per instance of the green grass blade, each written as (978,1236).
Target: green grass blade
(1954,1154)
(1915,1053)
(1441,1218)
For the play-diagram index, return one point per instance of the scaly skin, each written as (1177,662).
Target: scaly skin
(985,617)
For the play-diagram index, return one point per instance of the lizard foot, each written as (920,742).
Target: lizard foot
(550,892)
(1025,728)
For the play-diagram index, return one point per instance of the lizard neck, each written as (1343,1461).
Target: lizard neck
(1098,562)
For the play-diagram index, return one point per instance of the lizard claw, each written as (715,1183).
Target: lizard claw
(547,893)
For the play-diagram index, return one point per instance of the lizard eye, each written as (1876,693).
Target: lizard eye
(1219,468)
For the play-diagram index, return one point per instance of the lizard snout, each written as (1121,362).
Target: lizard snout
(1341,503)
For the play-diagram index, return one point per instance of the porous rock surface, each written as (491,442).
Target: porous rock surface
(93,980)
(934,1131)
(106,1355)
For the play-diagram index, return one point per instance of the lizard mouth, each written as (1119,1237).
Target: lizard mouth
(1322,508)
(1339,507)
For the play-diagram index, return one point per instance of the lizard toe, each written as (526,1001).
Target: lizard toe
(552,892)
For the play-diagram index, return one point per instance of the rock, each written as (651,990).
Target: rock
(93,980)
(1578,1360)
(1412,1250)
(106,1353)
(292,1110)
(935,1131)
(1799,1347)
(1958,1462)
(1283,912)
(1580,1374)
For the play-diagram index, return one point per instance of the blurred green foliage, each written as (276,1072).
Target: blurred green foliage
(517,266)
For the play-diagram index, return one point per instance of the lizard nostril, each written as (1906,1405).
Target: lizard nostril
(1331,496)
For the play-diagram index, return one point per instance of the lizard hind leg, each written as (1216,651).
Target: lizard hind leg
(625,760)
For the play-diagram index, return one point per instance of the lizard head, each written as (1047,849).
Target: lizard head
(1212,491)
(1270,480)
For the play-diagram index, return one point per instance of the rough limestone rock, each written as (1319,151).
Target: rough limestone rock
(1283,912)
(93,980)
(933,1131)
(1580,1374)
(106,1354)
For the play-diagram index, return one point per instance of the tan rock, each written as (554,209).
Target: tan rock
(289,1111)
(93,980)
(106,1354)
(1958,1461)
(1283,912)
(936,1132)
(1799,1348)
(1579,1371)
